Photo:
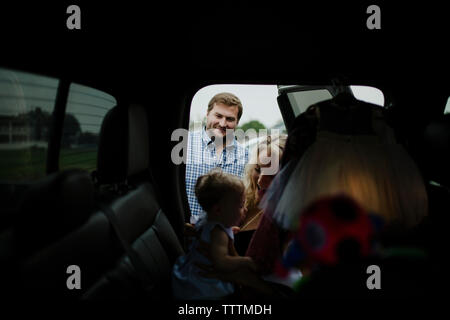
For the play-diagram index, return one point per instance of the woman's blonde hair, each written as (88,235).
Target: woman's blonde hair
(275,143)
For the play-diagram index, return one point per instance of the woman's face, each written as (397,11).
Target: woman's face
(233,209)
(255,175)
(261,177)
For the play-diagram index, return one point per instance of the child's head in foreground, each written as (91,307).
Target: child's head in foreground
(222,196)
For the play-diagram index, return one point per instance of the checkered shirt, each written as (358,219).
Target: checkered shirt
(201,158)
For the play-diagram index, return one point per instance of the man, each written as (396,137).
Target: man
(215,146)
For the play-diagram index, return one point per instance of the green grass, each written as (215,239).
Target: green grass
(23,164)
(30,164)
(80,158)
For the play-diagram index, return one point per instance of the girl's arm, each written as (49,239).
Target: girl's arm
(220,255)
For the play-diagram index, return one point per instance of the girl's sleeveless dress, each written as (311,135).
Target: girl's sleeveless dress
(187,283)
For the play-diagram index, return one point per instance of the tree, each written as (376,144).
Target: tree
(253,124)
(280,126)
(39,121)
(72,130)
(88,138)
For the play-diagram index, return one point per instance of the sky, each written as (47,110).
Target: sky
(259,102)
(22,92)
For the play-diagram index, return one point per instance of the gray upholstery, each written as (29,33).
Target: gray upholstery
(123,144)
(52,208)
(436,151)
(158,247)
(95,249)
(138,143)
(92,245)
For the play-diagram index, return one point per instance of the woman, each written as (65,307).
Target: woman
(342,145)
(261,169)
(259,173)
(339,146)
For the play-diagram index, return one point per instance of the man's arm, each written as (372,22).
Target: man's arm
(220,255)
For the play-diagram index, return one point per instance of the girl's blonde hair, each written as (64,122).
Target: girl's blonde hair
(212,187)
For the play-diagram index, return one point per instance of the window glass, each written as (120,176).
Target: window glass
(447,107)
(86,108)
(301,100)
(26,106)
(260,109)
(368,94)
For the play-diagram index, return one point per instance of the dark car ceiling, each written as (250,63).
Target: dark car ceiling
(136,51)
(160,55)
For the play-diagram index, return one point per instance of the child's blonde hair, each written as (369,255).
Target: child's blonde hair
(210,188)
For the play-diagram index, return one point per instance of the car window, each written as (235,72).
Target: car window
(26,106)
(368,94)
(447,107)
(86,108)
(260,109)
(260,116)
(301,100)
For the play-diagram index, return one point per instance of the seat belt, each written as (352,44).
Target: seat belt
(147,282)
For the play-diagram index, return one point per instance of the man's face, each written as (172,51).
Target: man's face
(220,118)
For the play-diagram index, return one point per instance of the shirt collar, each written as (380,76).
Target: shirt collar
(207,139)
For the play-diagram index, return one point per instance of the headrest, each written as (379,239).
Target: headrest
(342,114)
(436,150)
(124,144)
(53,207)
(345,115)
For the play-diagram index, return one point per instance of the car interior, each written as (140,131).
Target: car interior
(121,218)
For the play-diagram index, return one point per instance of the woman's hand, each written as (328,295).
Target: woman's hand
(190,231)
(246,276)
(238,276)
(243,277)
(235,229)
